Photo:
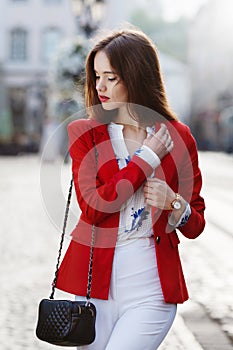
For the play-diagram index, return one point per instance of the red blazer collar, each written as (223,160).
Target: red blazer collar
(104,147)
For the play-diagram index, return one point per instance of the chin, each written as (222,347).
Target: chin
(109,106)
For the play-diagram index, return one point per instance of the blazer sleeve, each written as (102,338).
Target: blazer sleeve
(97,199)
(191,183)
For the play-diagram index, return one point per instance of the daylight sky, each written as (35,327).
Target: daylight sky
(173,9)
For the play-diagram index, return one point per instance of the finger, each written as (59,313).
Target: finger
(150,136)
(162,130)
(150,192)
(151,186)
(163,137)
(152,203)
(166,133)
(168,136)
(154,180)
(162,125)
(150,198)
(147,187)
(168,139)
(170,146)
(168,142)
(158,137)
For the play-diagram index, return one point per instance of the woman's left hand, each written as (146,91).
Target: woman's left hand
(158,194)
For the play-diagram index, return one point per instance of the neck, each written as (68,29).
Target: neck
(125,119)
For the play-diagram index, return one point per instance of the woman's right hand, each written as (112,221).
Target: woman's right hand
(161,142)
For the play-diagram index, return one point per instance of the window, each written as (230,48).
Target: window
(18,44)
(50,41)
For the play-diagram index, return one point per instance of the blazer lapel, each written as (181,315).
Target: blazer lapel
(107,162)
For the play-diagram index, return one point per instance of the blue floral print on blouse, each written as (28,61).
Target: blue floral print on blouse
(138,151)
(138,217)
(127,160)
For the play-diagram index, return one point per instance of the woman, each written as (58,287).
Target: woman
(137,180)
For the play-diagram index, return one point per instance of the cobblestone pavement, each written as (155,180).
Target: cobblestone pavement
(30,237)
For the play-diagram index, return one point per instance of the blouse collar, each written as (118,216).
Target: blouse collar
(117,138)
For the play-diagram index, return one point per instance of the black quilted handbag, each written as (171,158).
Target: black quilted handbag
(65,322)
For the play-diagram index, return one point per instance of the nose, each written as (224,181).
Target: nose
(100,86)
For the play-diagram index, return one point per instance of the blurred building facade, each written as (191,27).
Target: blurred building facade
(210,60)
(175,73)
(30,31)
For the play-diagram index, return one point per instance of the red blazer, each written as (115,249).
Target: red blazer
(102,188)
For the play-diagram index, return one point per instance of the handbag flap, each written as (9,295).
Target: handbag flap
(54,320)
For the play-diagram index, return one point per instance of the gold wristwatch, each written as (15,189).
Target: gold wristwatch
(176,203)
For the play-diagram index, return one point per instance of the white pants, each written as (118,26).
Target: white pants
(135,317)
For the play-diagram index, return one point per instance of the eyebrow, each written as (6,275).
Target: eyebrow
(106,72)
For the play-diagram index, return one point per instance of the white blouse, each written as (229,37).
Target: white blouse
(135,215)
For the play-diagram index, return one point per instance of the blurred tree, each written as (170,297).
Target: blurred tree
(69,64)
(65,96)
(169,37)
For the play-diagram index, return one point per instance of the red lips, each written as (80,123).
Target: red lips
(103,98)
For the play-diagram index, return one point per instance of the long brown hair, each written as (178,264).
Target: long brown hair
(134,58)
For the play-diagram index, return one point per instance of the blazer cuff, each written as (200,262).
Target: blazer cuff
(183,219)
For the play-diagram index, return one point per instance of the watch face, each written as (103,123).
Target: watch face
(176,205)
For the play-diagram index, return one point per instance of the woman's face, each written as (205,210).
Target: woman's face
(111,90)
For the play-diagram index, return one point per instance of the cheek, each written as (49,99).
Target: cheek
(125,94)
(120,93)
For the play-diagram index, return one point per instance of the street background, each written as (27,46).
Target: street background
(43,46)
(29,242)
